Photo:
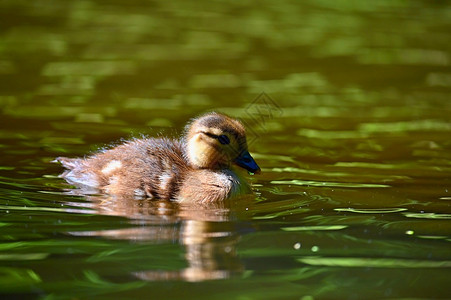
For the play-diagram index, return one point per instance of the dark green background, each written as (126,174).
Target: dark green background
(353,135)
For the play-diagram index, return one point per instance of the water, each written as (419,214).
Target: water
(352,134)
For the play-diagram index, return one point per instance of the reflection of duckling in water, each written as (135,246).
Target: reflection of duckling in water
(208,235)
(195,168)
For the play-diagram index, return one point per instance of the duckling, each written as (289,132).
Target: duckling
(198,167)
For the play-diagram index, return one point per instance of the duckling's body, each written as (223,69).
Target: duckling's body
(195,168)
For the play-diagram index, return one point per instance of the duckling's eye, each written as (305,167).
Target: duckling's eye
(223,139)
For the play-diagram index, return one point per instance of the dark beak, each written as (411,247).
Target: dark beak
(246,161)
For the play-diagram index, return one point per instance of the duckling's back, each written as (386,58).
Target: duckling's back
(139,168)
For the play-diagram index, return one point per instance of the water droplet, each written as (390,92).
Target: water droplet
(409,232)
(297,246)
(315,249)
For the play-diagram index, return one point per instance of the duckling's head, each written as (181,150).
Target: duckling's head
(215,141)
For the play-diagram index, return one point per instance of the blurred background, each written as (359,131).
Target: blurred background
(347,105)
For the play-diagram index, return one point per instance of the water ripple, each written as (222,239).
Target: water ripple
(428,216)
(371,210)
(330,184)
(314,228)
(373,262)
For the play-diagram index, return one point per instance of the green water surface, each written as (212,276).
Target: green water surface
(348,110)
